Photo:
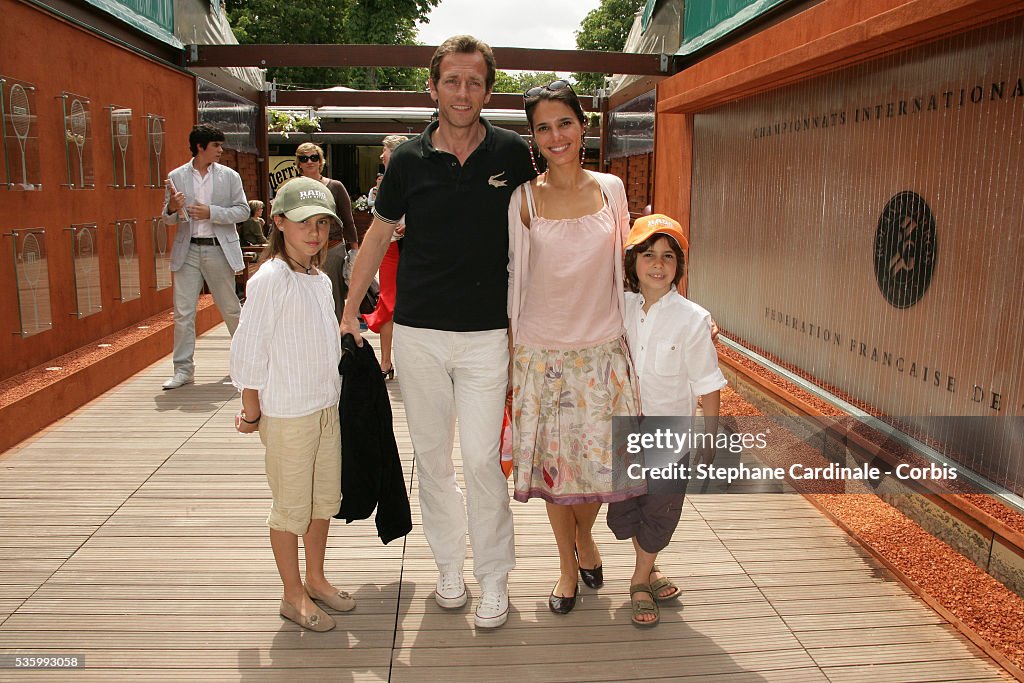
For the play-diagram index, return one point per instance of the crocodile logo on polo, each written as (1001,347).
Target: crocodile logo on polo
(494,182)
(905,249)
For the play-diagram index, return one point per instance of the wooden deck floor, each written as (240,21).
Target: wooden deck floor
(133,533)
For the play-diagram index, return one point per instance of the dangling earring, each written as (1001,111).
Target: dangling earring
(533,160)
(583,149)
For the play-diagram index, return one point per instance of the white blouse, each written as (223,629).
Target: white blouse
(672,351)
(288,345)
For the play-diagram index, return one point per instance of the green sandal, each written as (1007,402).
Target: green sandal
(640,607)
(661,584)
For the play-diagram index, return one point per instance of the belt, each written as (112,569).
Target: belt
(205,241)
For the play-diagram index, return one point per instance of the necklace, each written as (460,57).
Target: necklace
(308,269)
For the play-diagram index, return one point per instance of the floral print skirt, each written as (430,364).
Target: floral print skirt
(563,402)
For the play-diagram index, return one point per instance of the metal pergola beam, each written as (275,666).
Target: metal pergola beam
(516,58)
(386,98)
(383,128)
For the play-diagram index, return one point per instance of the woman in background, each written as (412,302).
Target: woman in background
(250,232)
(380,320)
(310,160)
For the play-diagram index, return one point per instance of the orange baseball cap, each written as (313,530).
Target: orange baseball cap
(645,226)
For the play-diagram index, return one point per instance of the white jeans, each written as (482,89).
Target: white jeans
(444,375)
(202,263)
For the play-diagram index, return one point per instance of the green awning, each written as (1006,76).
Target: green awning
(645,18)
(705,21)
(153,17)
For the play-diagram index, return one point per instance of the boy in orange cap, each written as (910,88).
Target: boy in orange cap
(675,359)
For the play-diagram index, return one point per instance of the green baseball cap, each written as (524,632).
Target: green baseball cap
(301,198)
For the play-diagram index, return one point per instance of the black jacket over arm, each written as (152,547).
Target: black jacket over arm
(371,471)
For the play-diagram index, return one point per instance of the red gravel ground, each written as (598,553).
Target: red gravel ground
(983,604)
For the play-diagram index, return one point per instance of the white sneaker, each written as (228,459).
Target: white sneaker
(180,379)
(450,591)
(491,610)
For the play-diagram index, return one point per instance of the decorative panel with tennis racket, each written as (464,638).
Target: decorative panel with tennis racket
(121,147)
(155,137)
(85,254)
(21,135)
(163,237)
(127,259)
(78,146)
(33,280)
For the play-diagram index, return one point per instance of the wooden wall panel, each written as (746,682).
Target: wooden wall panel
(802,207)
(54,55)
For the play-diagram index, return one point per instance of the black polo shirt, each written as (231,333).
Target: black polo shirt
(453,271)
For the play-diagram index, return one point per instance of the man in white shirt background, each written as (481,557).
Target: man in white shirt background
(205,200)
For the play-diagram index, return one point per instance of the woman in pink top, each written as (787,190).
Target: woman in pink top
(570,367)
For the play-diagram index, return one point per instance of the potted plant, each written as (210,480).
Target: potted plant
(361,213)
(285,122)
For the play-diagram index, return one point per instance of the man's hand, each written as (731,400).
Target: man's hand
(351,326)
(198,212)
(175,203)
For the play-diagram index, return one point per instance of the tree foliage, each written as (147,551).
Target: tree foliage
(604,28)
(375,22)
(522,81)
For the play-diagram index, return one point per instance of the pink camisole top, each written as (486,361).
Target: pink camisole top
(570,299)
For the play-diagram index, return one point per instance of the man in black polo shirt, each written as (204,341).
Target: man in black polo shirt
(452,184)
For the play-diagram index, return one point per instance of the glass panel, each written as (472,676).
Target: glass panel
(127,260)
(155,147)
(5,169)
(870,218)
(163,238)
(84,252)
(33,281)
(236,116)
(78,141)
(631,127)
(120,139)
(21,141)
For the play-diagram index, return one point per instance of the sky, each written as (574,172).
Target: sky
(509,23)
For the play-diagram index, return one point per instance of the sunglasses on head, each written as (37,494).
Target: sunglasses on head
(553,86)
(303,158)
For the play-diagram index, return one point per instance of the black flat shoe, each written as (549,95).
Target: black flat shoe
(593,578)
(562,605)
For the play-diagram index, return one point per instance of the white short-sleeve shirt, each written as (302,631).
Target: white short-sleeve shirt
(288,344)
(673,353)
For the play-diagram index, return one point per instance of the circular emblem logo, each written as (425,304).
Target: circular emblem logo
(905,249)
